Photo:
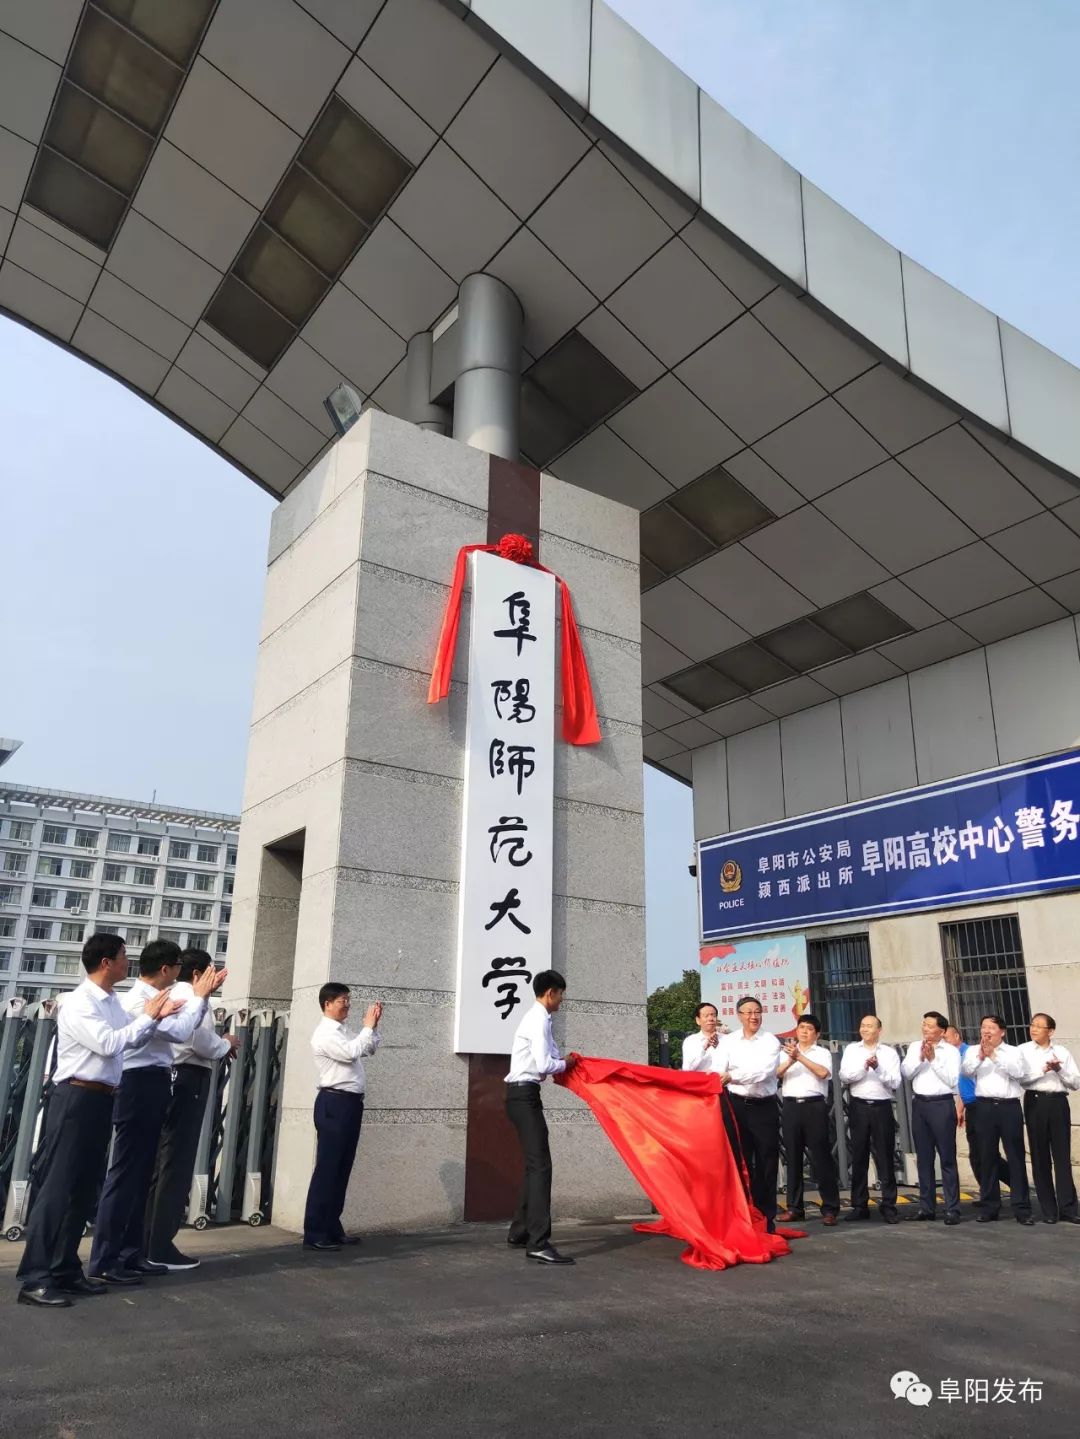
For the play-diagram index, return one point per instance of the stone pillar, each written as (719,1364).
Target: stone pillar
(487,391)
(357,783)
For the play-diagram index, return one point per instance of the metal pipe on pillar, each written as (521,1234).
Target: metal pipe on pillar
(487,390)
(419,409)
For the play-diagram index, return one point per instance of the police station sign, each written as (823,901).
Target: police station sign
(504,934)
(994,835)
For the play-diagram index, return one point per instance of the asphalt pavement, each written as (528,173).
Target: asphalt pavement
(454,1334)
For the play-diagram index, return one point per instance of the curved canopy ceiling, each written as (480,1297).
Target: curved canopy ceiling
(845,466)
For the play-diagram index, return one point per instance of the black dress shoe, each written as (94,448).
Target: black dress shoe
(952,1219)
(986,1219)
(923,1216)
(517,1243)
(323,1245)
(548,1255)
(1070,1219)
(83,1286)
(148,1267)
(890,1216)
(1049,1218)
(854,1214)
(1024,1219)
(119,1276)
(349,1239)
(44,1297)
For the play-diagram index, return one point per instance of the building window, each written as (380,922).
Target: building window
(149,846)
(201,913)
(204,883)
(76,899)
(175,879)
(72,933)
(207,854)
(10,893)
(135,937)
(133,968)
(985,974)
(7,929)
(172,909)
(137,905)
(54,834)
(39,929)
(178,850)
(5,960)
(115,874)
(197,941)
(80,869)
(66,964)
(172,935)
(20,829)
(119,843)
(34,963)
(51,867)
(110,903)
(227,884)
(86,839)
(841,983)
(15,863)
(226,913)
(230,856)
(222,943)
(43,898)
(29,992)
(144,875)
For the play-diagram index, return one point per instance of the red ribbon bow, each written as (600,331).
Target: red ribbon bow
(580,724)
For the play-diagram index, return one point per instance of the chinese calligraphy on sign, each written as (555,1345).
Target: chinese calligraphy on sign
(772,970)
(505,902)
(1009,831)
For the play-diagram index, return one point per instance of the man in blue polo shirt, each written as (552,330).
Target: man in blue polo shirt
(967,1116)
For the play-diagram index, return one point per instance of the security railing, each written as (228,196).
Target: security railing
(234,1165)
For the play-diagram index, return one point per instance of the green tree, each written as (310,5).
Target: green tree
(671,1007)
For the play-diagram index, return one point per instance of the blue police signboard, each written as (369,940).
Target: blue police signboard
(1004,832)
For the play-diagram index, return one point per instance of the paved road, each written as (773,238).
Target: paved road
(452,1334)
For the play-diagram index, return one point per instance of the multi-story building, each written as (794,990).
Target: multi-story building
(74,864)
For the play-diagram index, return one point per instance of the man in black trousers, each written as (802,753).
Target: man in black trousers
(997,1069)
(871,1070)
(93,1032)
(1052,1073)
(118,1255)
(749,1059)
(805,1073)
(193,1064)
(339,1113)
(534,1056)
(933,1066)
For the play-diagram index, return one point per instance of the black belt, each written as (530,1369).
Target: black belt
(807,1099)
(198,1068)
(931,1098)
(1045,1094)
(856,1100)
(755,1099)
(523,1084)
(986,1100)
(333,1089)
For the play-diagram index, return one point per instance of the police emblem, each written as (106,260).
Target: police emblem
(730,876)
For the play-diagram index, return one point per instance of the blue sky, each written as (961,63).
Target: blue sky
(133,558)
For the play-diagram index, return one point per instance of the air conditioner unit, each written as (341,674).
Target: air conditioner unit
(76,909)
(25,843)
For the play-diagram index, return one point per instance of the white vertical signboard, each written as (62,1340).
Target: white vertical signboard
(504,920)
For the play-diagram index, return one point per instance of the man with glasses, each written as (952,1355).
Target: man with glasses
(1051,1073)
(118,1255)
(748,1061)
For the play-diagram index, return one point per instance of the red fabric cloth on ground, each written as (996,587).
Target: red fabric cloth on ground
(667,1125)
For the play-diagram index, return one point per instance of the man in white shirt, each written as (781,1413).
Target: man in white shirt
(118,1255)
(748,1062)
(871,1070)
(534,1056)
(702,1050)
(997,1069)
(805,1073)
(1051,1073)
(93,1032)
(339,1113)
(193,1062)
(933,1066)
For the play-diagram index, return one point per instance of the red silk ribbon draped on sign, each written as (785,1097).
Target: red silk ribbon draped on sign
(580,724)
(667,1126)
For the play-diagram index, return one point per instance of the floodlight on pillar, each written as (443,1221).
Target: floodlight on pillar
(487,390)
(343,405)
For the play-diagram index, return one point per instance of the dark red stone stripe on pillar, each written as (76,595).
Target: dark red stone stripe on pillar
(493,1167)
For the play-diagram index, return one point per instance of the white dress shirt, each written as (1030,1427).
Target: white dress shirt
(92,1032)
(932,1077)
(695,1054)
(1042,1080)
(157,1052)
(205,1044)
(339,1055)
(866,1083)
(752,1063)
(534,1054)
(997,1078)
(798,1082)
